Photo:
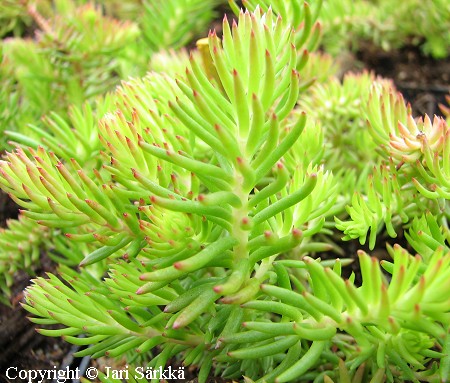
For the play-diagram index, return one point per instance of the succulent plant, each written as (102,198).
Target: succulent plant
(204,215)
(387,25)
(77,56)
(15,18)
(174,23)
(81,52)
(340,108)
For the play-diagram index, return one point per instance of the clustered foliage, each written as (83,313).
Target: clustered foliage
(387,24)
(206,206)
(79,52)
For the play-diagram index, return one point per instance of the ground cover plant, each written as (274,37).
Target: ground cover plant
(200,214)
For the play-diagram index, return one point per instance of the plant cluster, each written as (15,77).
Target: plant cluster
(207,203)
(388,25)
(81,50)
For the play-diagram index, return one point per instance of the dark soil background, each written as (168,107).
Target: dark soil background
(424,83)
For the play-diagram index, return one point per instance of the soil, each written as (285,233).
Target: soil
(20,345)
(8,209)
(424,83)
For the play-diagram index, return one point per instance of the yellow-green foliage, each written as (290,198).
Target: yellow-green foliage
(197,212)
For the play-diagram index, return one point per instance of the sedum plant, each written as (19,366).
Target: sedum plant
(15,19)
(410,179)
(12,17)
(77,56)
(200,214)
(340,108)
(387,25)
(173,23)
(425,25)
(81,53)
